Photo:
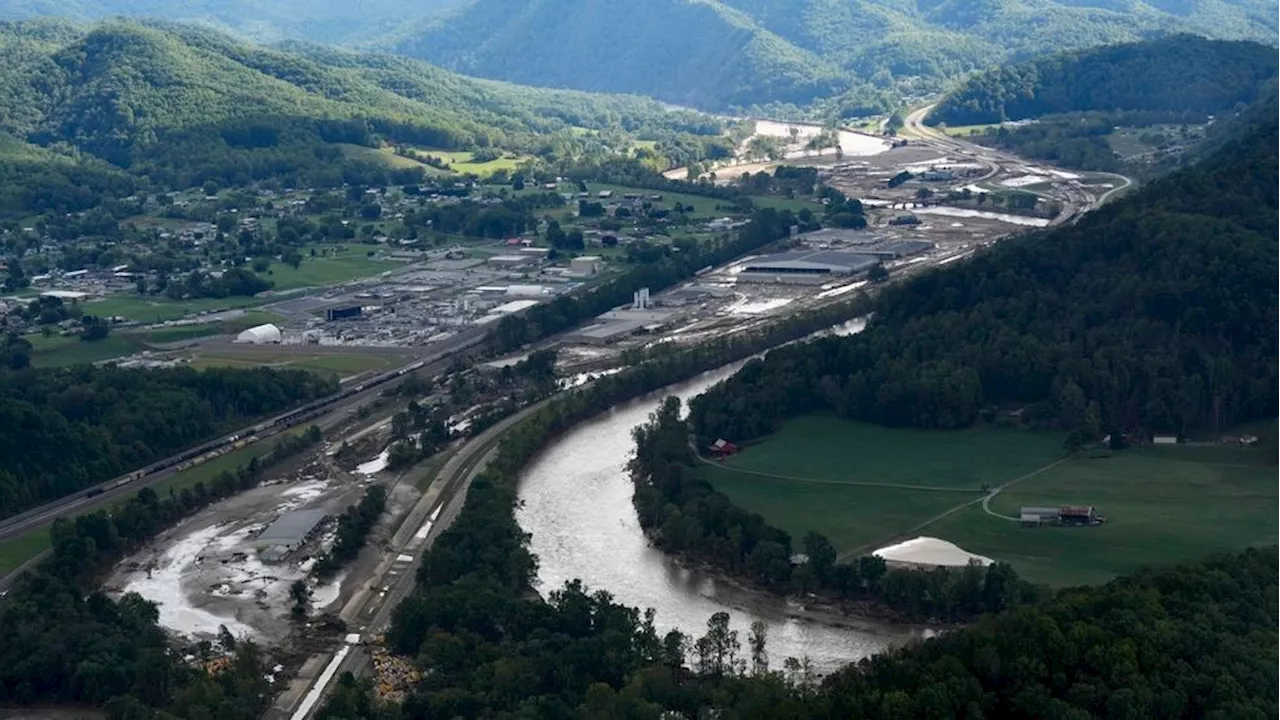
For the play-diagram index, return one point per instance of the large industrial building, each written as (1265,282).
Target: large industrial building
(288,533)
(806,266)
(343,312)
(260,335)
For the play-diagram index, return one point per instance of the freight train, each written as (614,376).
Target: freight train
(203,453)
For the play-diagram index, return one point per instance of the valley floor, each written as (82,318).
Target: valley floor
(865,486)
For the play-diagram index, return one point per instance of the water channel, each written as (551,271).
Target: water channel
(576,504)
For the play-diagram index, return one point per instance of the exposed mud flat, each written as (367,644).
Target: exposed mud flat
(208,571)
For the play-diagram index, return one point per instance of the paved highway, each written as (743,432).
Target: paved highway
(1076,200)
(370,613)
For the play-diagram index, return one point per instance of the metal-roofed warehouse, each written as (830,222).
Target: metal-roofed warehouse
(808,266)
(289,532)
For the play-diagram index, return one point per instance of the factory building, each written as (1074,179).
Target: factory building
(806,267)
(288,533)
(896,250)
(260,335)
(585,265)
(511,260)
(342,313)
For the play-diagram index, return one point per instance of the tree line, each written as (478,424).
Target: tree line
(62,640)
(1178,73)
(1150,315)
(566,311)
(75,427)
(686,516)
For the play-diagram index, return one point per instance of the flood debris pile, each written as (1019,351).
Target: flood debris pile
(394,675)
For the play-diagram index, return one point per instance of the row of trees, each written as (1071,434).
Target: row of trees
(354,525)
(686,516)
(63,641)
(767,225)
(75,427)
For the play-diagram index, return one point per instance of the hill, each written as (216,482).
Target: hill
(1155,313)
(326,21)
(713,54)
(696,53)
(716,54)
(1182,73)
(182,104)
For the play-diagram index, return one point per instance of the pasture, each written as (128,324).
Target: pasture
(865,486)
(1163,505)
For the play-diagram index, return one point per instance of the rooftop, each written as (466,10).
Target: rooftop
(291,527)
(821,261)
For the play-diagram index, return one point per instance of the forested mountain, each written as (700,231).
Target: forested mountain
(180,105)
(705,53)
(1156,313)
(329,21)
(1183,73)
(717,53)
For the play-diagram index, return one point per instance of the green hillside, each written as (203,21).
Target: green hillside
(1180,73)
(699,53)
(183,104)
(722,53)
(331,21)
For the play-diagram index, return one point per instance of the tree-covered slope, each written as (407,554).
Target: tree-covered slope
(184,104)
(1156,313)
(1179,73)
(738,52)
(697,52)
(330,21)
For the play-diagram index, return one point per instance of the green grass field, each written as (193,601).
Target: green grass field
(149,310)
(58,351)
(351,264)
(781,203)
(967,130)
(16,551)
(850,516)
(341,365)
(807,476)
(461,162)
(386,156)
(1163,505)
(825,448)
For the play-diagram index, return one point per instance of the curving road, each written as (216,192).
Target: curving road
(1076,201)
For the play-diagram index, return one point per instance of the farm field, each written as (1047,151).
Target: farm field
(782,203)
(838,477)
(58,351)
(462,162)
(850,516)
(342,365)
(334,268)
(178,333)
(831,449)
(967,130)
(1163,505)
(386,156)
(149,310)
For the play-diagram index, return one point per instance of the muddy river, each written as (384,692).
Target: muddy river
(576,504)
